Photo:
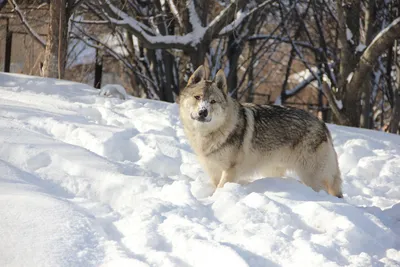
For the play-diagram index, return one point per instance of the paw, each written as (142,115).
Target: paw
(220,185)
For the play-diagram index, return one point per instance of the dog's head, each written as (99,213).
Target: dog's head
(205,102)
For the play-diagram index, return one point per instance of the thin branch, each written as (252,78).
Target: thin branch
(325,50)
(282,39)
(233,25)
(175,12)
(184,42)
(116,56)
(91,22)
(27,26)
(75,5)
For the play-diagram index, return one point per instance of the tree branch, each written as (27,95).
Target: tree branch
(234,24)
(27,26)
(142,32)
(91,22)
(378,46)
(224,16)
(194,17)
(188,41)
(175,12)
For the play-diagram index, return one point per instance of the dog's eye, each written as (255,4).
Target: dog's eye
(197,97)
(213,101)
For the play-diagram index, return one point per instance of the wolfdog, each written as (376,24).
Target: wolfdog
(234,140)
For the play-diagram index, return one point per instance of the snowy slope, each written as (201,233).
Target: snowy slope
(88,180)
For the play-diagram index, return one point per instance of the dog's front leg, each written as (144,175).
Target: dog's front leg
(215,179)
(227,176)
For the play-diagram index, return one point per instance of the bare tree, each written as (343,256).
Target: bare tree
(355,70)
(57,37)
(54,57)
(56,44)
(162,41)
(343,52)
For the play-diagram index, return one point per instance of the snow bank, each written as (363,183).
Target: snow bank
(88,180)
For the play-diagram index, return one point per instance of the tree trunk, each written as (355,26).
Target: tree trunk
(250,74)
(395,119)
(164,61)
(347,60)
(382,42)
(234,50)
(370,30)
(360,68)
(233,54)
(198,55)
(348,16)
(168,86)
(57,41)
(365,119)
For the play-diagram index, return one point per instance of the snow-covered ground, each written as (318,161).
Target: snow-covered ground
(88,180)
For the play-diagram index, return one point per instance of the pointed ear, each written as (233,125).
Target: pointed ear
(220,81)
(197,76)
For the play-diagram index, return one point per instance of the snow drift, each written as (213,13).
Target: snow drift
(88,180)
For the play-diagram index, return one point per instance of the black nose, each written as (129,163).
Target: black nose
(203,113)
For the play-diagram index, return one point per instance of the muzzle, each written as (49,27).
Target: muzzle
(201,116)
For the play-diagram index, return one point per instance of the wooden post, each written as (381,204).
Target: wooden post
(7,57)
(98,71)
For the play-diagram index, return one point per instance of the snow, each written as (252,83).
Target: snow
(198,29)
(88,180)
(339,103)
(113,90)
(349,77)
(349,35)
(278,100)
(360,47)
(239,17)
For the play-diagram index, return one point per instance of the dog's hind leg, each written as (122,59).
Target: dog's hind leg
(320,171)
(310,167)
(311,179)
(332,173)
(320,179)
